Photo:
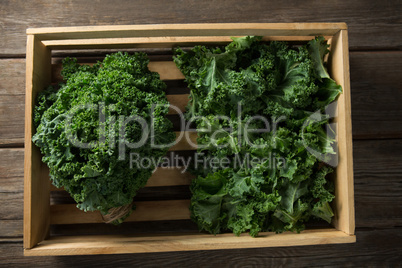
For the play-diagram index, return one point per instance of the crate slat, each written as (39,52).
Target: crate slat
(166,69)
(173,176)
(199,29)
(178,103)
(145,211)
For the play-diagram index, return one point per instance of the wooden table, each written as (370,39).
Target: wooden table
(375,37)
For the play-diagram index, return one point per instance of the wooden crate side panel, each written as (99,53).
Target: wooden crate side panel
(36,186)
(201,29)
(344,201)
(82,245)
(344,221)
(159,42)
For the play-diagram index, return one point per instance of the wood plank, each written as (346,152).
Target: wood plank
(11,229)
(36,188)
(365,19)
(166,69)
(11,193)
(14,208)
(178,103)
(174,41)
(188,29)
(338,64)
(376,94)
(12,97)
(145,211)
(378,183)
(169,177)
(374,248)
(128,228)
(11,170)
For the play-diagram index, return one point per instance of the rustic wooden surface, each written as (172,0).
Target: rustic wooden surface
(375,36)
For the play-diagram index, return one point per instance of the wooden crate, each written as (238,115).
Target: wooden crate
(40,216)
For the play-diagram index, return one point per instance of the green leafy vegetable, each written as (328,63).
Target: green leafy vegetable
(85,128)
(235,91)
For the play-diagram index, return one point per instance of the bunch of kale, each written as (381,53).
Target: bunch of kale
(235,91)
(87,128)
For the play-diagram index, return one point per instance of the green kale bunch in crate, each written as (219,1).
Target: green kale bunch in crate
(265,103)
(88,128)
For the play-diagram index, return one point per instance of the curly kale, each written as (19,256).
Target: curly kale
(290,88)
(88,128)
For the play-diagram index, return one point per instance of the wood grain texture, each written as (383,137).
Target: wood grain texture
(378,183)
(376,94)
(12,97)
(11,229)
(164,32)
(11,170)
(84,245)
(13,210)
(364,18)
(374,248)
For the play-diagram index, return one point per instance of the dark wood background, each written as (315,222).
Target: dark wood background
(375,38)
